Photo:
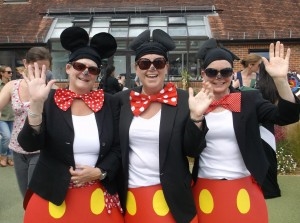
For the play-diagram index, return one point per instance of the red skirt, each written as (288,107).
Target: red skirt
(233,201)
(148,205)
(83,204)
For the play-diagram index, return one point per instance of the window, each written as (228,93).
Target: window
(100,25)
(82,21)
(158,21)
(139,21)
(119,31)
(177,21)
(261,52)
(177,31)
(119,22)
(61,25)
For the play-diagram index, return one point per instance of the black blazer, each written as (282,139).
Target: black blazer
(176,129)
(51,176)
(256,110)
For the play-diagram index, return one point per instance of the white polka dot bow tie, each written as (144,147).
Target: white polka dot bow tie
(64,98)
(140,102)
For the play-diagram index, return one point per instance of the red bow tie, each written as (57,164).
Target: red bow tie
(230,102)
(140,102)
(64,98)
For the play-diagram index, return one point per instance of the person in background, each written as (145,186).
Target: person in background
(16,93)
(267,87)
(76,131)
(122,80)
(20,72)
(111,84)
(157,128)
(247,77)
(137,81)
(231,164)
(6,120)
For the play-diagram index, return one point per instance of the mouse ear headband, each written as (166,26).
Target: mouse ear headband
(160,44)
(76,40)
(211,50)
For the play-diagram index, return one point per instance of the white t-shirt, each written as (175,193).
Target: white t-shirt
(86,145)
(144,151)
(222,157)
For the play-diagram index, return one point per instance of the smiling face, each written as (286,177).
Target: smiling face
(81,82)
(6,74)
(152,78)
(220,84)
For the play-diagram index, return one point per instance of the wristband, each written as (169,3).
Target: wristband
(35,125)
(32,115)
(197,121)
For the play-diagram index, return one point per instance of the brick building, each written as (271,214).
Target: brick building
(242,27)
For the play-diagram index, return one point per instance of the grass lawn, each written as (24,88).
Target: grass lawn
(281,210)
(285,209)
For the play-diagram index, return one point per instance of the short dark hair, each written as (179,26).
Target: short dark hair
(110,69)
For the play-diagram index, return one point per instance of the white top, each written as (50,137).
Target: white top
(86,145)
(20,109)
(222,157)
(144,151)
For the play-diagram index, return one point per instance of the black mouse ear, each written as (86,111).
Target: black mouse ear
(105,44)
(73,38)
(207,45)
(163,38)
(140,39)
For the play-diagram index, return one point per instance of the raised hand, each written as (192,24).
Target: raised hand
(36,81)
(278,64)
(199,103)
(277,67)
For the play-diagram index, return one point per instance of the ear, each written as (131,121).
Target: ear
(202,73)
(25,63)
(68,66)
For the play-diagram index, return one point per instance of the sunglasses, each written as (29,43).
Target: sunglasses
(9,72)
(213,73)
(81,67)
(145,64)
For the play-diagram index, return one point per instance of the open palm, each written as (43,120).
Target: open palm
(36,81)
(278,64)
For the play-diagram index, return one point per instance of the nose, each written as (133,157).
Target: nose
(152,67)
(86,72)
(219,76)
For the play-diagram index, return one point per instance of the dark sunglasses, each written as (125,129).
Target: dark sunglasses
(81,67)
(213,73)
(9,72)
(145,64)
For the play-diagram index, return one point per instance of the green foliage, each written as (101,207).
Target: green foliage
(288,148)
(293,137)
(286,164)
(185,78)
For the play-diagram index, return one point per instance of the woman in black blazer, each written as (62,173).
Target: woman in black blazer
(153,136)
(76,131)
(232,164)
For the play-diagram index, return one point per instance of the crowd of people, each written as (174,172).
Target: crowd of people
(121,154)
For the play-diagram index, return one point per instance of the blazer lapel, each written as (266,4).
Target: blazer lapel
(239,129)
(167,120)
(126,117)
(68,117)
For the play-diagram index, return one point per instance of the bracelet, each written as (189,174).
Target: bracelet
(35,125)
(197,121)
(33,115)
